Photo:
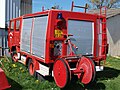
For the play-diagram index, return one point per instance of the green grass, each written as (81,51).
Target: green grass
(19,78)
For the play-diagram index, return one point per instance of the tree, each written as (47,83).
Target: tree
(55,7)
(96,4)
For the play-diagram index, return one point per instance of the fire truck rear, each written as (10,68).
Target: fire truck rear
(60,44)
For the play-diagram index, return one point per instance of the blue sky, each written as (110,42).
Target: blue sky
(65,4)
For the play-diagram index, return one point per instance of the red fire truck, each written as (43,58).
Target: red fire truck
(60,44)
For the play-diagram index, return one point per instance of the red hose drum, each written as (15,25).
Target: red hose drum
(61,73)
(88,70)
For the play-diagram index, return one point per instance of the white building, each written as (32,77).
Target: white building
(11,9)
(113,25)
(113,30)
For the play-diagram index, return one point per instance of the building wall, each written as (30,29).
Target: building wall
(2,25)
(2,13)
(26,6)
(11,9)
(16,8)
(3,40)
(113,24)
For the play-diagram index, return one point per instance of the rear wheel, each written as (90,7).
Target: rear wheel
(61,73)
(31,67)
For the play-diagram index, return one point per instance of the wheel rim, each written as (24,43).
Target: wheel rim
(31,69)
(86,66)
(61,73)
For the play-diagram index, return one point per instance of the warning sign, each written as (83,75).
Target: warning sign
(58,33)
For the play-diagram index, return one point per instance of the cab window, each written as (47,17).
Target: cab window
(17,25)
(12,26)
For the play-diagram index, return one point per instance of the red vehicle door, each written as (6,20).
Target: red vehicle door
(17,32)
(10,34)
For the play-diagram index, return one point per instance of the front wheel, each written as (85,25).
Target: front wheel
(14,56)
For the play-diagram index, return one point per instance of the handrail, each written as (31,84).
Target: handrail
(105,10)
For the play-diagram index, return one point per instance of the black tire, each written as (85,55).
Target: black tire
(31,66)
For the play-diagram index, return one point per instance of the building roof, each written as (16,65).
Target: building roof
(110,12)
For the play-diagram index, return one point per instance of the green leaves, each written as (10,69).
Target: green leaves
(96,4)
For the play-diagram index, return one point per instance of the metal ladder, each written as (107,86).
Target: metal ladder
(102,31)
(85,7)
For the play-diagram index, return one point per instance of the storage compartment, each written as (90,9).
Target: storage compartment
(39,36)
(83,33)
(25,34)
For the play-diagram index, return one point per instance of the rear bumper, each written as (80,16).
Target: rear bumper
(99,68)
